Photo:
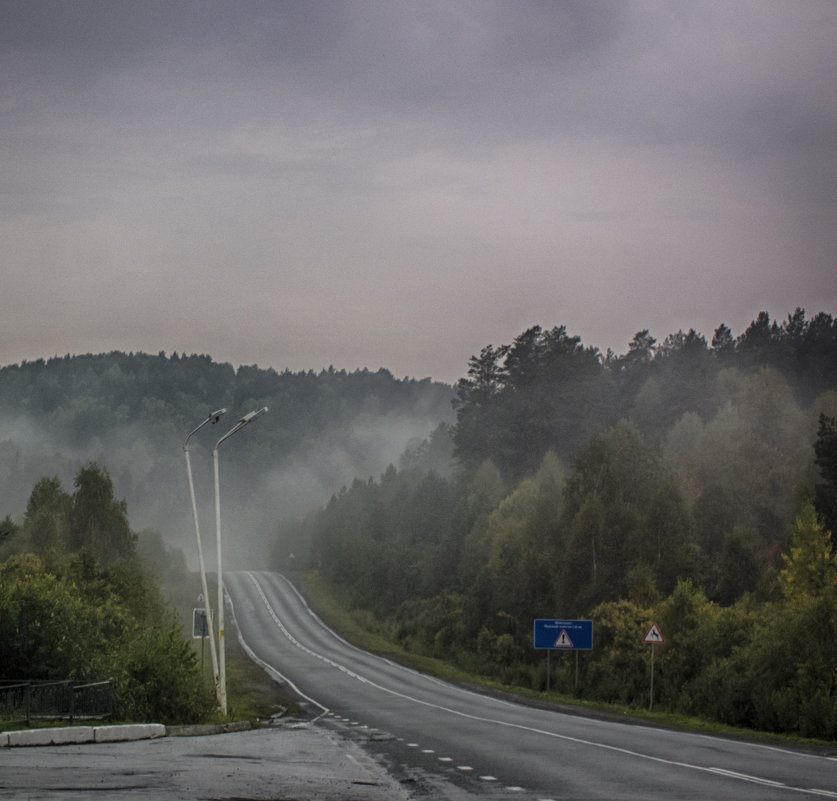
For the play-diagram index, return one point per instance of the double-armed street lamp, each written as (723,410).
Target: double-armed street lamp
(213,418)
(222,679)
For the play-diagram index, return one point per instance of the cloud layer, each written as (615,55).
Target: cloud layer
(398,184)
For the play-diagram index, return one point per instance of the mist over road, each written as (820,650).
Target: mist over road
(482,742)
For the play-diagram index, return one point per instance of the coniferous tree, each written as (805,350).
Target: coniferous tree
(825,497)
(98,522)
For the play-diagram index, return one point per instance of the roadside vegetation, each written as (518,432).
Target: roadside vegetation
(80,600)
(364,631)
(84,598)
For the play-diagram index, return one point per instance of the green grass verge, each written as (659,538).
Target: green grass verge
(363,630)
(251,694)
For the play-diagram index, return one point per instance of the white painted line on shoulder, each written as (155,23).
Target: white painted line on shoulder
(745,777)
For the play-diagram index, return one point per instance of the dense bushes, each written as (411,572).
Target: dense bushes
(76,622)
(86,607)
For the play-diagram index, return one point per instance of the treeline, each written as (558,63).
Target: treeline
(79,599)
(676,483)
(132,411)
(547,391)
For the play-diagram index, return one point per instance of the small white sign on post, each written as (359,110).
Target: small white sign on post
(653,637)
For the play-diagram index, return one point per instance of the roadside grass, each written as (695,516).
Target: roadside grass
(251,694)
(364,631)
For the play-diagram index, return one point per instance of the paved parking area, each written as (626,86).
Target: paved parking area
(305,763)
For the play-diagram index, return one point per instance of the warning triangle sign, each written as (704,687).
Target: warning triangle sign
(563,640)
(654,635)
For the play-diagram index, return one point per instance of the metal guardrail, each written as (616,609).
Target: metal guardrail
(30,701)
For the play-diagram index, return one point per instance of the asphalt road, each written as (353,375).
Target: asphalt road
(489,747)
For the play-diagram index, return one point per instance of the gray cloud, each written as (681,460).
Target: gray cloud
(397,184)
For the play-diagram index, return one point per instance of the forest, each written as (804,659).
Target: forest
(688,483)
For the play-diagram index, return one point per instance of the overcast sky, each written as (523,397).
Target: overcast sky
(398,184)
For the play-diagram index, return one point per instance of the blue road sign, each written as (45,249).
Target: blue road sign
(564,635)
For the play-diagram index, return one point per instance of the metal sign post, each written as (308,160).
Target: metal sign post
(653,637)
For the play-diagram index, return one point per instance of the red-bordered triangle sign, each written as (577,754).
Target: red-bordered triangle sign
(654,636)
(563,640)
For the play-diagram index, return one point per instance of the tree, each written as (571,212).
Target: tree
(738,569)
(98,522)
(478,415)
(640,350)
(723,343)
(8,529)
(825,492)
(662,539)
(46,522)
(811,566)
(680,380)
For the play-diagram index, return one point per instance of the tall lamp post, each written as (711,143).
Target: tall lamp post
(222,683)
(213,418)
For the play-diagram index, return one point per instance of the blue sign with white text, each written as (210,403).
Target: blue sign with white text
(564,635)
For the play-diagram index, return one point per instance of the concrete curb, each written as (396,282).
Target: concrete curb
(71,735)
(129,731)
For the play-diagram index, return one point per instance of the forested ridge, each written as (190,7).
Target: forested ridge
(690,482)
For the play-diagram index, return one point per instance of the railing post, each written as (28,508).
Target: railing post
(72,701)
(28,700)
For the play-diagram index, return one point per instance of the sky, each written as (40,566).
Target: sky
(393,184)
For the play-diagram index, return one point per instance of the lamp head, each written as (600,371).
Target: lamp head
(250,416)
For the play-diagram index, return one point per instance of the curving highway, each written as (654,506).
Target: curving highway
(506,749)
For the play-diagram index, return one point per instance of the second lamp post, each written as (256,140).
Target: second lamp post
(222,678)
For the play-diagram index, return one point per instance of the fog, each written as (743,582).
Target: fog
(320,434)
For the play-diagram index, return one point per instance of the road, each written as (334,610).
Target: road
(490,747)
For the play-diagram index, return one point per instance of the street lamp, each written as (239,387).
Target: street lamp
(213,418)
(222,683)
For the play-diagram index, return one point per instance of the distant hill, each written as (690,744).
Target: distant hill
(131,412)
